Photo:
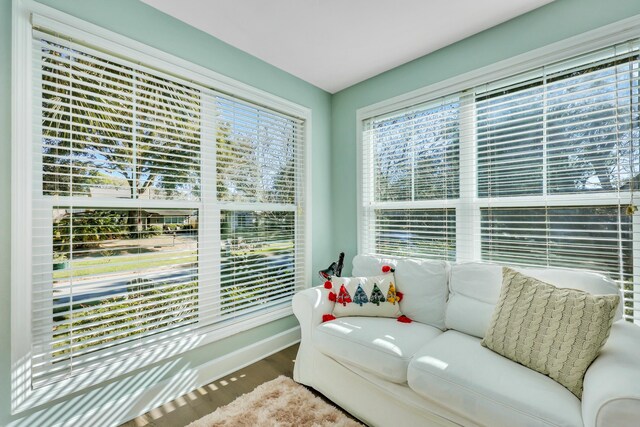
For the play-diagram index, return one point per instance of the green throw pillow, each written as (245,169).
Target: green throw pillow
(555,331)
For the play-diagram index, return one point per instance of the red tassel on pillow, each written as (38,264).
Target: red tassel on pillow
(399,295)
(387,268)
(328,284)
(404,319)
(327,317)
(332,296)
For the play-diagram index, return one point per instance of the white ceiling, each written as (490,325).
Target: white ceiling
(334,44)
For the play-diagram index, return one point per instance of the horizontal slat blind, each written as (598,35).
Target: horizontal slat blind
(161,208)
(257,154)
(416,232)
(112,130)
(411,157)
(547,163)
(258,174)
(595,238)
(509,137)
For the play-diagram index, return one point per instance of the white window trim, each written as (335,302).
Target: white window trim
(23,11)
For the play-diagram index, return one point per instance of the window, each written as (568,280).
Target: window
(258,165)
(541,169)
(162,208)
(412,161)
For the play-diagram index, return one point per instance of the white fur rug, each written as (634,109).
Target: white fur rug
(278,403)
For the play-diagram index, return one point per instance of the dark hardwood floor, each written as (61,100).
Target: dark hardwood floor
(208,398)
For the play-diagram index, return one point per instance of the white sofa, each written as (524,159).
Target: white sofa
(435,372)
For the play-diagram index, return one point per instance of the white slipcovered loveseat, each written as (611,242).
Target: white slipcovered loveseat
(434,371)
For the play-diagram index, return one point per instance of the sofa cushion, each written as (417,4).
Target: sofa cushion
(557,332)
(475,288)
(455,371)
(423,283)
(379,345)
(365,296)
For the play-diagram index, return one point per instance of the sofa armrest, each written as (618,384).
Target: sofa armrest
(309,306)
(611,395)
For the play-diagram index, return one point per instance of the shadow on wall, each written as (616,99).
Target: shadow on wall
(127,396)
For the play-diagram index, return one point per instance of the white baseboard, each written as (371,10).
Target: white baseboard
(98,410)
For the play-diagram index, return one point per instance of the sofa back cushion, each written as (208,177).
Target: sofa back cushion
(475,288)
(423,283)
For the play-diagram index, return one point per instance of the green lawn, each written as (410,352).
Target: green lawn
(114,264)
(124,263)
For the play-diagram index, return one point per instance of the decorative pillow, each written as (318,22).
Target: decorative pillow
(365,296)
(555,331)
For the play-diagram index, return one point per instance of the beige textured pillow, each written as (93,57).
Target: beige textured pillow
(555,331)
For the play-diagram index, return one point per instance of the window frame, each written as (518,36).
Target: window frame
(25,15)
(468,205)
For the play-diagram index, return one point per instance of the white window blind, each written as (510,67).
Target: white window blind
(411,163)
(161,208)
(550,166)
(258,158)
(558,161)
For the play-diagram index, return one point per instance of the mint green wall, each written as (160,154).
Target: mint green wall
(147,25)
(553,22)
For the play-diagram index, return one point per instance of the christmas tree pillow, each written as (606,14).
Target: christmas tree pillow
(365,296)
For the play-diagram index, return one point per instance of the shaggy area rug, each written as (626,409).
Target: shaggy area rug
(281,402)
